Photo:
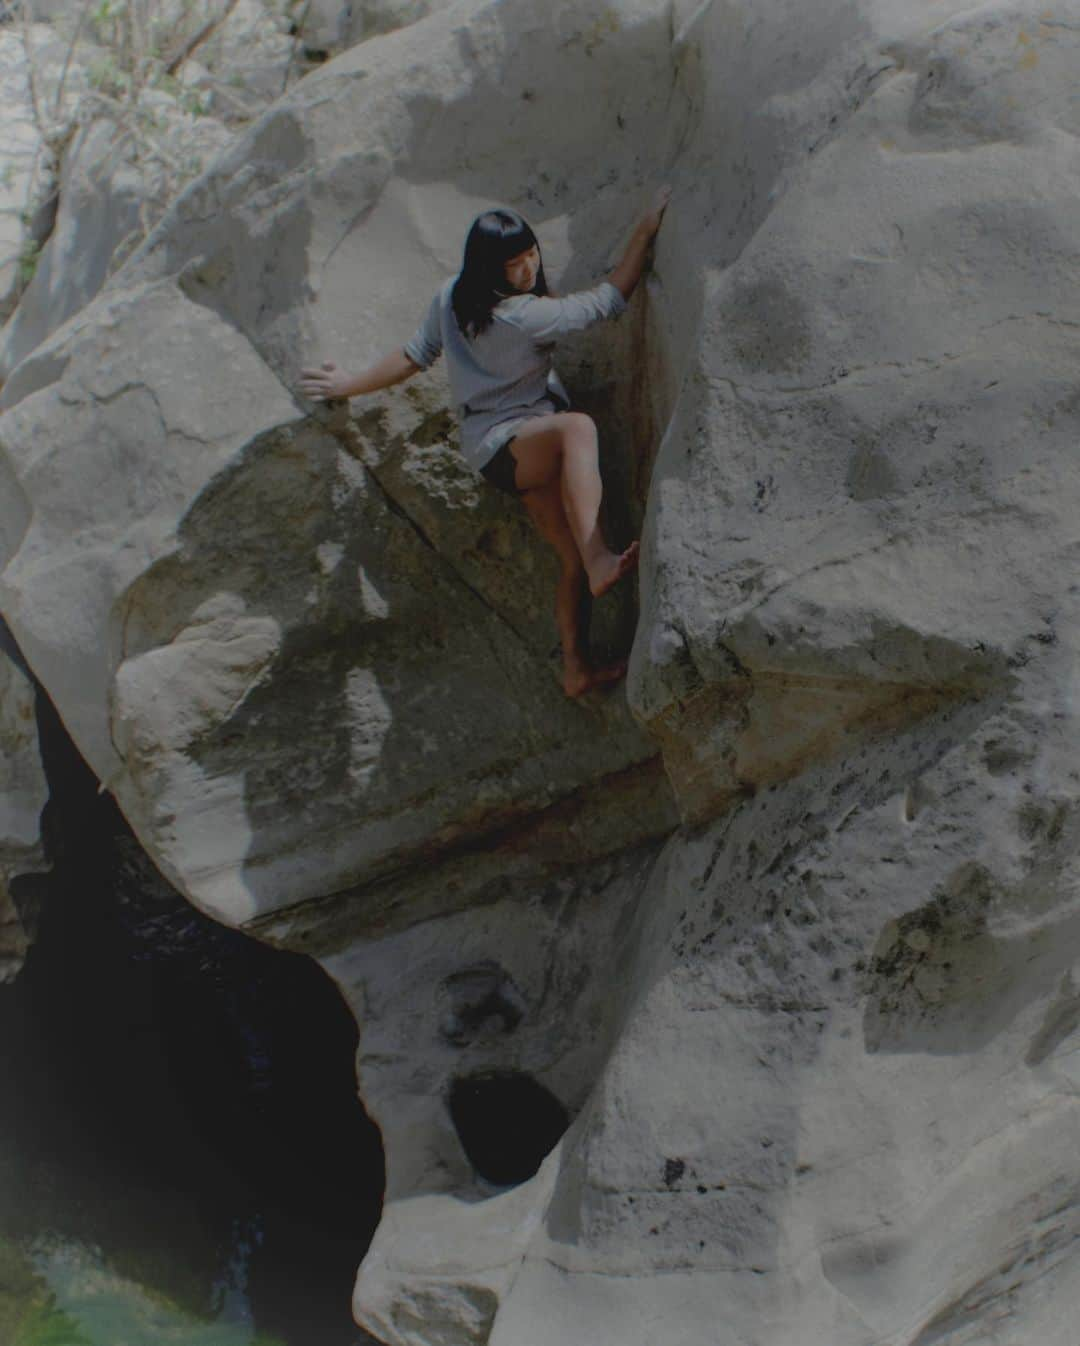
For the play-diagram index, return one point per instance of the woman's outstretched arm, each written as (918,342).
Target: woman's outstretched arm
(421,350)
(627,274)
(329,382)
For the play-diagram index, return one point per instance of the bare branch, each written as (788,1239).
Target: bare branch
(70,52)
(220,90)
(31,72)
(299,39)
(190,47)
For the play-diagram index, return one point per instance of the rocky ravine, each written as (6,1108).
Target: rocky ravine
(793,938)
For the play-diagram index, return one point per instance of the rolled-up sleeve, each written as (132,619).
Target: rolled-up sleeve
(546,320)
(425,345)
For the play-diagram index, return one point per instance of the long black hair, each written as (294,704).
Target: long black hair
(494,238)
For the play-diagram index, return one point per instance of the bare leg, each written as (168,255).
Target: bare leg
(563,448)
(544,504)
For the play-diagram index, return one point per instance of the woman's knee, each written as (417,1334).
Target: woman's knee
(578,435)
(578,426)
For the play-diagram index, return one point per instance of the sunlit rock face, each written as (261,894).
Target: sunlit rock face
(790,941)
(21,147)
(100,204)
(104,125)
(311,655)
(369,18)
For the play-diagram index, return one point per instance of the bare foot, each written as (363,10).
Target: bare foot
(611,569)
(584,679)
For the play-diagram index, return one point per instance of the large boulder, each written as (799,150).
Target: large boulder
(858,648)
(791,947)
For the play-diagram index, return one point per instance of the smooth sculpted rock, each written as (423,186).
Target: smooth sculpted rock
(858,647)
(791,951)
(106,192)
(369,18)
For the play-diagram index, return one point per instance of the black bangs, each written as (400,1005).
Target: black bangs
(509,233)
(495,237)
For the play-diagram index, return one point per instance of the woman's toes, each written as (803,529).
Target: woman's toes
(613,570)
(584,680)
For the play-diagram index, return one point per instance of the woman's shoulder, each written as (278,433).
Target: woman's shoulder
(516,306)
(442,301)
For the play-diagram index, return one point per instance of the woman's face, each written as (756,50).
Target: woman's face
(521,271)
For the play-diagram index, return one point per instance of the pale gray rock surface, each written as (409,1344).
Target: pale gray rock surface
(325,25)
(252,52)
(84,176)
(44,80)
(107,198)
(40,11)
(20,152)
(369,18)
(813,1009)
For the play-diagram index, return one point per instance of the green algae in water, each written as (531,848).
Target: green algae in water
(28,1312)
(45,1325)
(63,1294)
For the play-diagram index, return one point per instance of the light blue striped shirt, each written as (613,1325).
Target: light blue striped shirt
(506,373)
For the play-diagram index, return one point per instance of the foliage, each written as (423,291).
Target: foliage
(28,1315)
(143,47)
(28,260)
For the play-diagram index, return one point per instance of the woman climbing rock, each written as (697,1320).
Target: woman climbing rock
(497,324)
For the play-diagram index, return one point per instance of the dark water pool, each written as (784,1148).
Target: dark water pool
(183,1158)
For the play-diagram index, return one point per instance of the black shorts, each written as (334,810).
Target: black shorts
(499,470)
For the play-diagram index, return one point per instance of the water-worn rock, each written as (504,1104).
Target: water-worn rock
(812,1009)
(324,25)
(20,153)
(369,18)
(107,198)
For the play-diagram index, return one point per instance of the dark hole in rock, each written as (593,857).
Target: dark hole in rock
(178,1110)
(507,1123)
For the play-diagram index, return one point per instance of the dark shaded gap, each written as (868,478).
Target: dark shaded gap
(507,1123)
(173,1094)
